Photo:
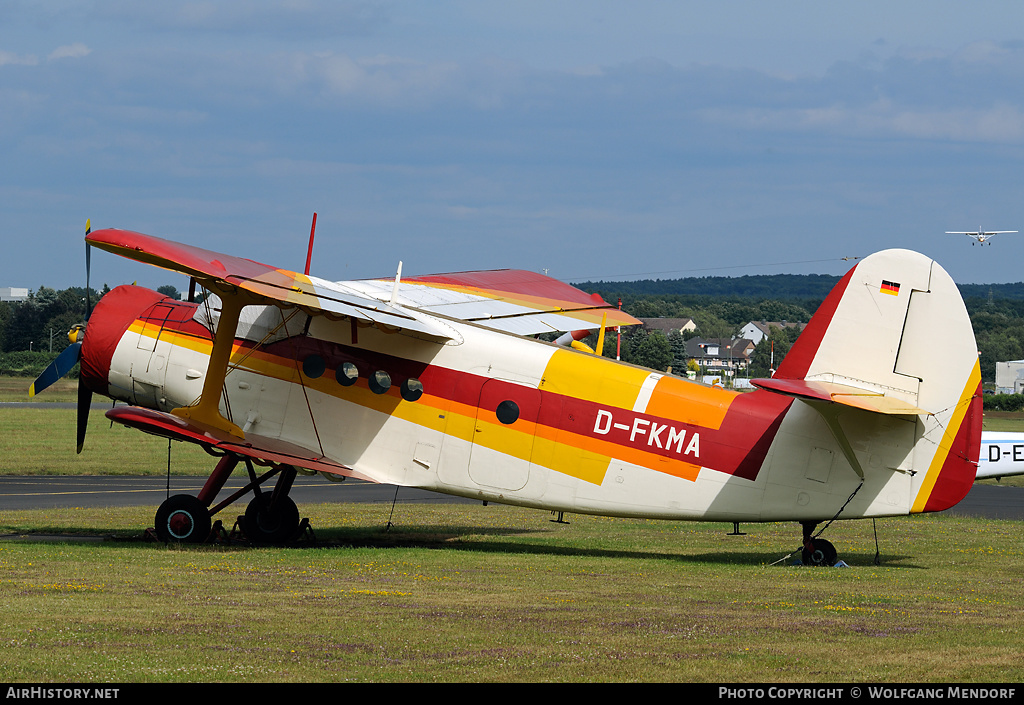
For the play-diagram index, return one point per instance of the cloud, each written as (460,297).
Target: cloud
(304,19)
(884,119)
(10,59)
(70,51)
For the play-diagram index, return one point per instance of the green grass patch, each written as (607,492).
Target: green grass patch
(41,441)
(474,593)
(16,389)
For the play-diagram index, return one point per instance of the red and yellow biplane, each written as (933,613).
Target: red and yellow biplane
(437,382)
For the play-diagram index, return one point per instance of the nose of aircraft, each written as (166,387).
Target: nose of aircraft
(113,315)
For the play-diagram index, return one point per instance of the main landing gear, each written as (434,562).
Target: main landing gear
(270,518)
(817,551)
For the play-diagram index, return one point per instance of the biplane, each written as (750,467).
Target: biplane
(439,382)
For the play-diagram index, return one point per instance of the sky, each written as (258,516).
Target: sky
(584,138)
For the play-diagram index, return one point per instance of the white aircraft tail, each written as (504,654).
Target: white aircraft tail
(894,337)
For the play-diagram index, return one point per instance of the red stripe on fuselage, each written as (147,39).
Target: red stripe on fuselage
(737,448)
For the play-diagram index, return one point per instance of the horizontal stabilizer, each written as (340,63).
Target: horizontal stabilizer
(869,400)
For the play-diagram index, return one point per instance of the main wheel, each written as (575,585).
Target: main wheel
(182,518)
(263,525)
(821,552)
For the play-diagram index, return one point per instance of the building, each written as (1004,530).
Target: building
(667,325)
(721,355)
(757,331)
(1010,377)
(8,293)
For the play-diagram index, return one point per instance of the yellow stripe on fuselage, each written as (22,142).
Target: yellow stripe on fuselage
(593,379)
(615,386)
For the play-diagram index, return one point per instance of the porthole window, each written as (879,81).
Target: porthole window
(314,366)
(347,374)
(507,411)
(412,389)
(380,382)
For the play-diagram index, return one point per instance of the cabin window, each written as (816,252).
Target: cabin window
(507,411)
(412,389)
(347,374)
(380,382)
(314,366)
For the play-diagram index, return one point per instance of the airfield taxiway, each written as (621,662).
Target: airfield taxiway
(988,501)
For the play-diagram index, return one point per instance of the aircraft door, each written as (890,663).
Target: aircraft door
(503,434)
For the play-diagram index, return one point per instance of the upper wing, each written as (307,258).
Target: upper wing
(264,283)
(511,300)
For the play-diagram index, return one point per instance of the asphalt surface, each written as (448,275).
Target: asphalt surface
(991,501)
(43,492)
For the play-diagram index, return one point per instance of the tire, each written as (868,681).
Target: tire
(182,519)
(821,553)
(271,527)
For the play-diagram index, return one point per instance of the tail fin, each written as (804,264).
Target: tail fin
(894,337)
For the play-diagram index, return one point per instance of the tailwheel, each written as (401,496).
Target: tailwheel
(184,519)
(819,552)
(269,522)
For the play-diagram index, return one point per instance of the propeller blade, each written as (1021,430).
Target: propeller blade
(57,369)
(84,402)
(88,266)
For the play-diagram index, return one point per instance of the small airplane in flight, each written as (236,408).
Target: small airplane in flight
(438,382)
(982,236)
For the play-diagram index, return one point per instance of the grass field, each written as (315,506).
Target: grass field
(16,389)
(42,442)
(474,593)
(495,593)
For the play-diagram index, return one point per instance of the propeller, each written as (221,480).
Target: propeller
(70,357)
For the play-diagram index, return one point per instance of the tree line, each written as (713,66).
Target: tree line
(39,325)
(996,312)
(34,331)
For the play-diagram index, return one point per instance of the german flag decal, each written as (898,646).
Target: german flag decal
(890,288)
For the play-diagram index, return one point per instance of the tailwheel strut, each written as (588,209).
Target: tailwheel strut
(817,551)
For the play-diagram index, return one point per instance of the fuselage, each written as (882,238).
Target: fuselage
(499,417)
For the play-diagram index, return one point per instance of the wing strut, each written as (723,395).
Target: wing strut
(207,410)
